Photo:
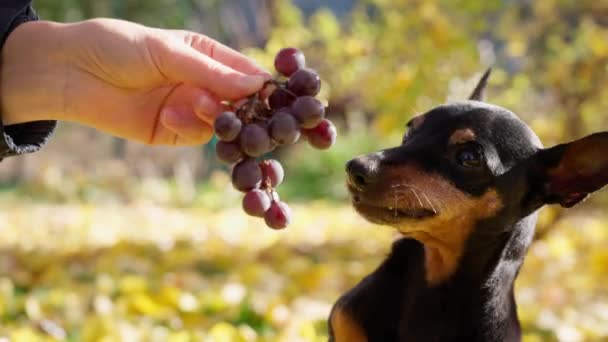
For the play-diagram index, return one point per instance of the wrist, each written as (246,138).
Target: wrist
(33,73)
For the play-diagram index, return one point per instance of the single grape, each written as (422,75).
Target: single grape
(278,216)
(284,128)
(304,82)
(281,98)
(308,111)
(246,175)
(227,126)
(289,60)
(228,152)
(323,136)
(272,170)
(254,140)
(256,203)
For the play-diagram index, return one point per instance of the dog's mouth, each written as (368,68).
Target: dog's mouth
(389,214)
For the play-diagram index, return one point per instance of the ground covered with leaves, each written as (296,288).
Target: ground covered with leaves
(143,272)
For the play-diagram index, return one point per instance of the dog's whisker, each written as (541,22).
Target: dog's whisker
(405,189)
(430,203)
(418,198)
(437,204)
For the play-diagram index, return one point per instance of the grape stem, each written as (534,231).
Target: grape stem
(254,105)
(281,85)
(247,111)
(269,190)
(266,186)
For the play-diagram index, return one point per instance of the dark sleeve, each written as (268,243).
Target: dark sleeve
(30,136)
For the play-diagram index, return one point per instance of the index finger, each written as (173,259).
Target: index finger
(225,55)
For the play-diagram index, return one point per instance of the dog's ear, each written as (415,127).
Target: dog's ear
(479,94)
(568,173)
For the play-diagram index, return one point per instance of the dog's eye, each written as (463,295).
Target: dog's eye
(469,157)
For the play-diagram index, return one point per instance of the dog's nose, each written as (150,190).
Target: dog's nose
(360,172)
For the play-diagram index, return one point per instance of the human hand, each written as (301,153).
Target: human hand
(161,87)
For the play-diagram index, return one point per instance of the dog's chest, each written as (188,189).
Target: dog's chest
(395,304)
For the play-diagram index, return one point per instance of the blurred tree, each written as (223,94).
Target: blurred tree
(562,50)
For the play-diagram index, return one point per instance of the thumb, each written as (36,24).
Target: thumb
(185,64)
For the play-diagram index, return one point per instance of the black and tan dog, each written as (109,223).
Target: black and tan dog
(464,189)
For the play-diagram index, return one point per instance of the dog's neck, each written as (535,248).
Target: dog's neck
(480,292)
(491,265)
(490,251)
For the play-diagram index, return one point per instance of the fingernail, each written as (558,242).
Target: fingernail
(253,82)
(267,75)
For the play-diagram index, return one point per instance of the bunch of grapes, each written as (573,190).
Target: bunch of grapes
(280,114)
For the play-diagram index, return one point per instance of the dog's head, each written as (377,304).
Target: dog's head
(465,162)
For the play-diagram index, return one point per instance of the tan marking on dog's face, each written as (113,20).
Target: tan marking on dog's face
(430,209)
(345,329)
(461,136)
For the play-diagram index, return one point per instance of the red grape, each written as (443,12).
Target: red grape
(246,175)
(227,126)
(256,203)
(304,82)
(278,216)
(254,140)
(289,60)
(281,98)
(308,110)
(284,128)
(323,136)
(228,152)
(272,170)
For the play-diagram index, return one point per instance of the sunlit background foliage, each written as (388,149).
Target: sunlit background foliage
(103,240)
